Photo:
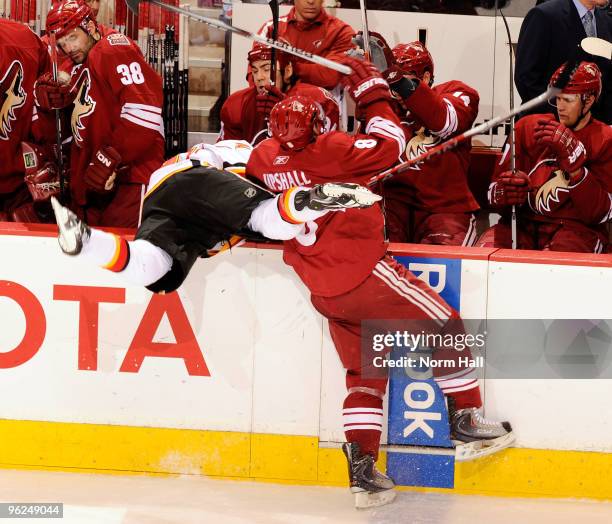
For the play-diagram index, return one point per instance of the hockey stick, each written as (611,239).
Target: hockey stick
(482,128)
(283,46)
(597,47)
(366,32)
(58,121)
(274,8)
(514,234)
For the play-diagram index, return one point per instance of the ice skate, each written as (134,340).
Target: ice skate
(475,437)
(370,487)
(336,196)
(72,230)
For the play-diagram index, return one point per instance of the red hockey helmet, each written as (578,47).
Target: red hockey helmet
(413,59)
(296,121)
(68,15)
(585,81)
(261,51)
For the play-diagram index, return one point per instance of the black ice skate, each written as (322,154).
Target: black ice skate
(474,436)
(72,231)
(370,486)
(335,196)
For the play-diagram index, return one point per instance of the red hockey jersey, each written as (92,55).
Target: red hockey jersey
(436,114)
(553,196)
(118,103)
(344,247)
(325,36)
(23,58)
(241,121)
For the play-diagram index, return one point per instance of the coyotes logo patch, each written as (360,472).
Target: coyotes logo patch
(83,106)
(12,97)
(551,194)
(419,144)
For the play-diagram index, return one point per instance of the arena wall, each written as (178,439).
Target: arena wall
(235,375)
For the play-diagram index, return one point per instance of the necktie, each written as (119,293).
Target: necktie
(588,23)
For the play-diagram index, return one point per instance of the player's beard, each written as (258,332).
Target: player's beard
(80,56)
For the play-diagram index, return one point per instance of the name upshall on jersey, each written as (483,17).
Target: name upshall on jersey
(13,96)
(83,106)
(286,179)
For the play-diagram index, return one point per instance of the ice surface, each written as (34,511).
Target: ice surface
(131,499)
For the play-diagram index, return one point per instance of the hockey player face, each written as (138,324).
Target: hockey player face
(307,9)
(572,109)
(77,45)
(261,74)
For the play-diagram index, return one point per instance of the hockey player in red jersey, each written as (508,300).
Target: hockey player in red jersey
(563,178)
(23,57)
(308,26)
(430,203)
(343,263)
(116,119)
(244,115)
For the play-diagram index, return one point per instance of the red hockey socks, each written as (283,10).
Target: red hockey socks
(363,421)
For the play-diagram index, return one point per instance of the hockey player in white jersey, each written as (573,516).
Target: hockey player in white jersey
(198,204)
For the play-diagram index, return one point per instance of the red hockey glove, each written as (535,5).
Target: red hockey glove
(100,174)
(570,151)
(511,189)
(365,83)
(265,102)
(50,94)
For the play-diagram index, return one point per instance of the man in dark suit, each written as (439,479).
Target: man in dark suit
(550,32)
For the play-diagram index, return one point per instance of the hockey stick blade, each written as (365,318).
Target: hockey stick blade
(597,47)
(283,46)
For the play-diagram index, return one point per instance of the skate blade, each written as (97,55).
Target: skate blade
(481,448)
(367,499)
(362,196)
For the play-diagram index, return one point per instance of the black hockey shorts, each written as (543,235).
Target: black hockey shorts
(192,211)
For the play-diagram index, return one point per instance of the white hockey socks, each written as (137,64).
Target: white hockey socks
(139,262)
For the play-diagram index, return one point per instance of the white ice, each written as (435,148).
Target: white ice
(131,499)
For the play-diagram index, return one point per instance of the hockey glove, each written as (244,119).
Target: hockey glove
(570,152)
(365,83)
(510,189)
(398,83)
(265,102)
(381,54)
(100,174)
(50,94)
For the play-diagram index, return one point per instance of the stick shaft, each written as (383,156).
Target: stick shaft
(58,118)
(258,38)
